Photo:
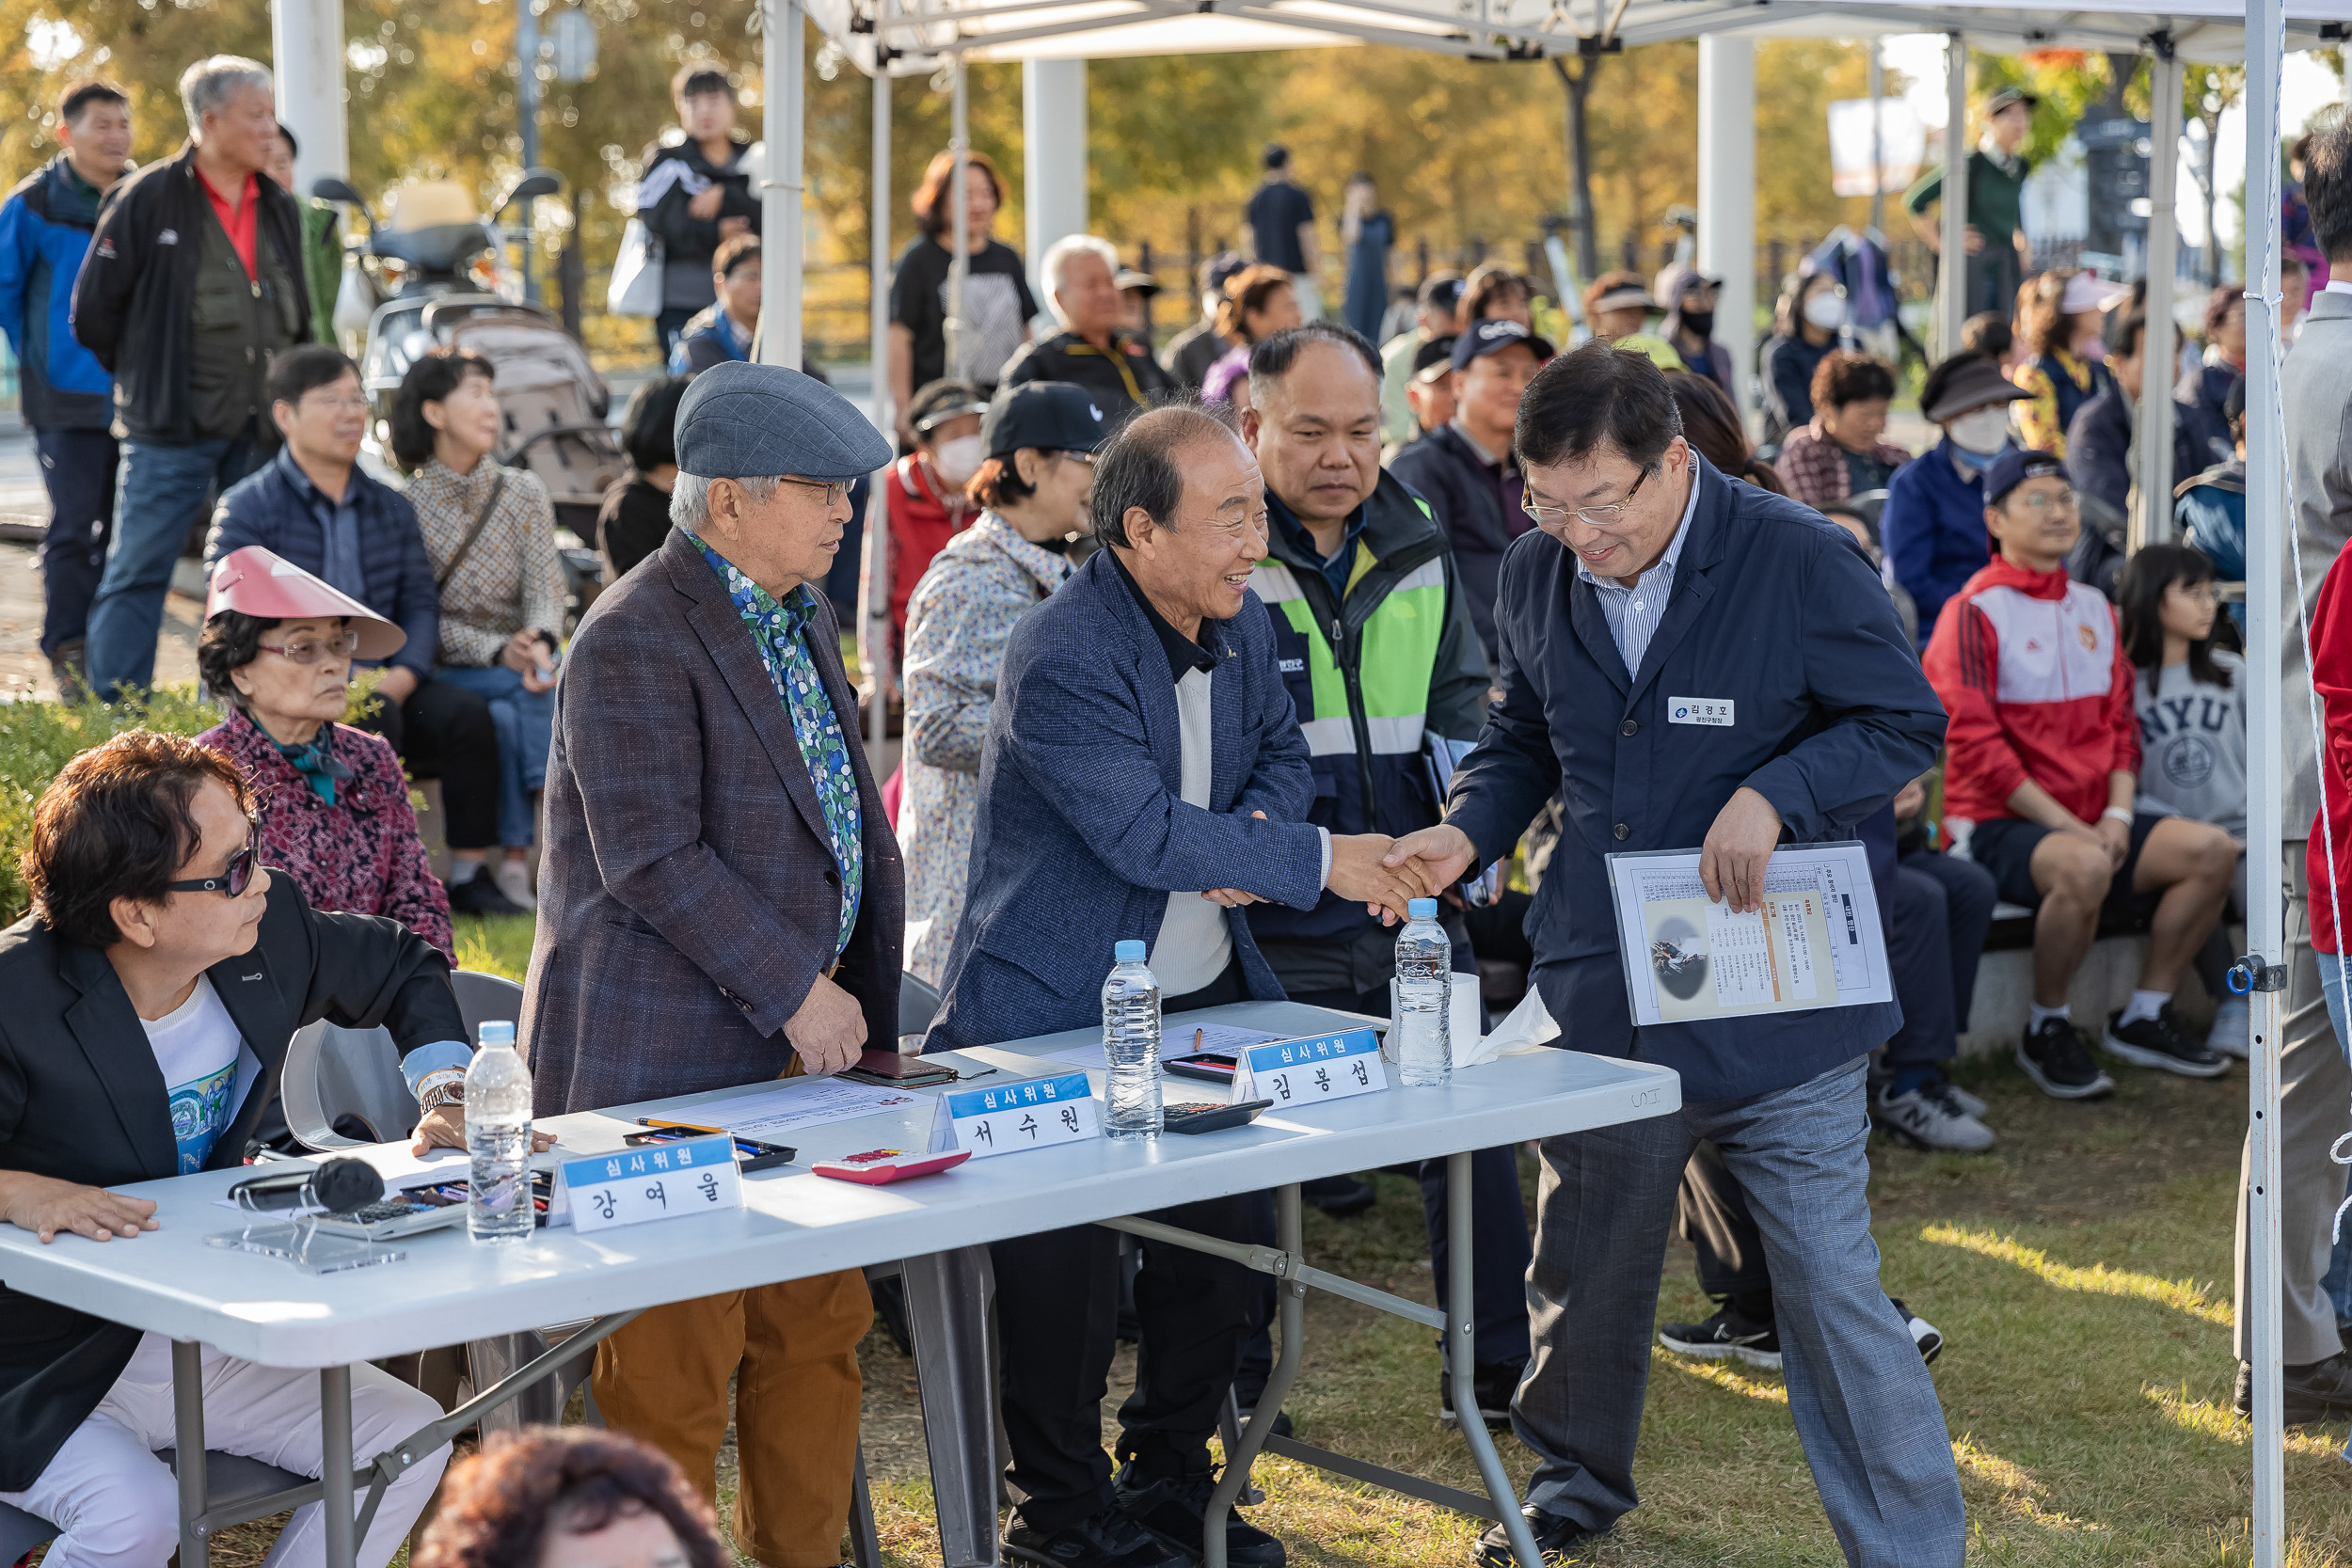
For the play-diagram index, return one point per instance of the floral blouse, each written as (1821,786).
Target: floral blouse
(957,621)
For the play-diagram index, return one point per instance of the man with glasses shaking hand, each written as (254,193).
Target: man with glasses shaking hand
(1658,590)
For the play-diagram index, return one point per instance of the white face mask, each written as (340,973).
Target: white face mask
(1825,310)
(960,459)
(1981,430)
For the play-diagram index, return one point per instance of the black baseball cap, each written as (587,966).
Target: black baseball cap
(2015,465)
(1437,354)
(2007,97)
(1052,416)
(1492,336)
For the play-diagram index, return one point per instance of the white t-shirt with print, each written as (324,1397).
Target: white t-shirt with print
(197,1045)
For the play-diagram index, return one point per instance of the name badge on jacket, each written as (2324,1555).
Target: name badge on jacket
(1714,712)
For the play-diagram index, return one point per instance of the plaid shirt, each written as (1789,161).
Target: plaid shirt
(1813,466)
(776,628)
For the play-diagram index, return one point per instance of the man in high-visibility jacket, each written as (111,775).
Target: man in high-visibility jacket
(1376,646)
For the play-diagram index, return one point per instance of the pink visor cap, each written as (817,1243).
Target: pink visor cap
(259,583)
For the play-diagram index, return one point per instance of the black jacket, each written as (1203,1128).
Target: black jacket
(1067,356)
(81,1100)
(684,237)
(1448,472)
(135,302)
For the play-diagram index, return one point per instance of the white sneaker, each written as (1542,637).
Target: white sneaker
(2233,1030)
(514,880)
(1928,1118)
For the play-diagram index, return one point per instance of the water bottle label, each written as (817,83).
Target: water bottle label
(1037,1113)
(695,1176)
(1309,1072)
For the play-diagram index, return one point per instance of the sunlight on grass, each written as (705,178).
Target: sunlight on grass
(495,944)
(1729,1377)
(2224,1425)
(2019,1494)
(2181,1295)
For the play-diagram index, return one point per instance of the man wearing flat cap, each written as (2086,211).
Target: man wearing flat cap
(722,903)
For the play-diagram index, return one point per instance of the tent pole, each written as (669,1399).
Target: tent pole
(1726,238)
(2151,519)
(959,142)
(2265,521)
(875,643)
(781,112)
(1951,273)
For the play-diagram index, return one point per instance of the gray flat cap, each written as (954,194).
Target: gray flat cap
(739,420)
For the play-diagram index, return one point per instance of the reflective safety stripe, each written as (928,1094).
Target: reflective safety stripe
(1397,650)
(1328,736)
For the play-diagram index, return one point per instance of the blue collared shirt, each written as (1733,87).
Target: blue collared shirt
(1337,566)
(1634,613)
(338,527)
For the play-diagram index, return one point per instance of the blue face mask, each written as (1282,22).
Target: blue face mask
(1974,459)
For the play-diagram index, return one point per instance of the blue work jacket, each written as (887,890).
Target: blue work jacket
(1774,610)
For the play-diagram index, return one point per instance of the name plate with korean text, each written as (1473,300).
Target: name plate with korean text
(661,1182)
(1035,1113)
(1312,1070)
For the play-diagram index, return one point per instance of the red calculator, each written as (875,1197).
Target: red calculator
(878,1167)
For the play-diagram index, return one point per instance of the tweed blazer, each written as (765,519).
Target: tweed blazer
(1082,831)
(688,894)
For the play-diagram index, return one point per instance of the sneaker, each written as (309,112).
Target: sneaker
(1727,1333)
(1495,1386)
(1930,1116)
(1169,1510)
(479,895)
(1109,1539)
(2161,1042)
(1965,1101)
(1558,1540)
(1340,1197)
(2320,1392)
(2232,1031)
(514,880)
(1924,1333)
(2055,1058)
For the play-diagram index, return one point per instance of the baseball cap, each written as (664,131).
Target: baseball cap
(942,401)
(1436,355)
(1130,278)
(1052,416)
(2007,97)
(2015,465)
(2085,291)
(1492,336)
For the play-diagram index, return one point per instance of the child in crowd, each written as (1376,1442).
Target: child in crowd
(2190,697)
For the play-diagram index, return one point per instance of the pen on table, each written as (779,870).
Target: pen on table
(681,1126)
(1196,1036)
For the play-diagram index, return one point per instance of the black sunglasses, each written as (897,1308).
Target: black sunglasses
(234,880)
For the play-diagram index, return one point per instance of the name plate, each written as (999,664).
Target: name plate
(662,1181)
(1037,1113)
(1310,1071)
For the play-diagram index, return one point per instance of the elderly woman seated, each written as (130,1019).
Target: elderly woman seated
(277,652)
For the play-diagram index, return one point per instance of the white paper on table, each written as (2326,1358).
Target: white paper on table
(795,1104)
(1816,943)
(1528,1027)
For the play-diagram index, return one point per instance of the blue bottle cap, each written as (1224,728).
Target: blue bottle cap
(498,1032)
(1421,908)
(1128,952)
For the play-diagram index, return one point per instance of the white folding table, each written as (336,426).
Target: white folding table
(795,1224)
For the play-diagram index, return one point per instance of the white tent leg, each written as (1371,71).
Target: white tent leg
(1951,274)
(1053,155)
(874,644)
(1726,238)
(2151,519)
(306,40)
(960,268)
(2265,469)
(781,47)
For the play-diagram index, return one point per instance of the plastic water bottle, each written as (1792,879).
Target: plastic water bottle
(1424,993)
(1130,1047)
(497,1136)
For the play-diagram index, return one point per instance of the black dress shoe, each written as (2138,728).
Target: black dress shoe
(1108,1540)
(1560,1540)
(2315,1394)
(1340,1197)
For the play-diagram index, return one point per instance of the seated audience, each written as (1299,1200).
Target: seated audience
(1259,302)
(1032,489)
(2062,318)
(1989,333)
(1081,273)
(2190,697)
(1932,524)
(570,1498)
(635,516)
(2210,508)
(2042,759)
(723,330)
(1136,290)
(1436,314)
(1711,424)
(1494,292)
(315,507)
(277,652)
(1805,328)
(1939,907)
(925,491)
(1616,303)
(1429,393)
(1190,353)
(150,917)
(490,531)
(2099,447)
(1841,450)
(2220,367)
(1689,298)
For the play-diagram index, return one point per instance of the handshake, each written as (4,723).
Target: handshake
(1385,873)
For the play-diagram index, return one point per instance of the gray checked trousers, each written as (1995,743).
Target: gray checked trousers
(1865,1407)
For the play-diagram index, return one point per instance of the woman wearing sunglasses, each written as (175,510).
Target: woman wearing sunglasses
(277,652)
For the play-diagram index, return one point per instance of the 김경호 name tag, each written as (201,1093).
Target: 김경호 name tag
(659,1181)
(1310,1071)
(1034,1113)
(1714,712)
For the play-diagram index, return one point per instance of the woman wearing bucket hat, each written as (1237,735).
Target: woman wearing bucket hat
(277,652)
(1932,524)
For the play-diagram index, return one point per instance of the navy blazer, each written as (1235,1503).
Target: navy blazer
(1772,608)
(1082,836)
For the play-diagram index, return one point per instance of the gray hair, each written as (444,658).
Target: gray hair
(1056,266)
(690,499)
(211,83)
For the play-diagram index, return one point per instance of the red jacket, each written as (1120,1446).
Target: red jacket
(921,523)
(2331,677)
(2030,667)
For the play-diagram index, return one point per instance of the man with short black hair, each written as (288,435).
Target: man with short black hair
(2102,445)
(1998,247)
(193,284)
(726,331)
(67,396)
(1657,575)
(1281,218)
(1436,313)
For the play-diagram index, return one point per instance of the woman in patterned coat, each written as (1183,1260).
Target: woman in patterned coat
(277,652)
(1040,439)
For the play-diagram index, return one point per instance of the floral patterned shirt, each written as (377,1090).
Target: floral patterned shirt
(777,628)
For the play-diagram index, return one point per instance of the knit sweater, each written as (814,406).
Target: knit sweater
(512,577)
